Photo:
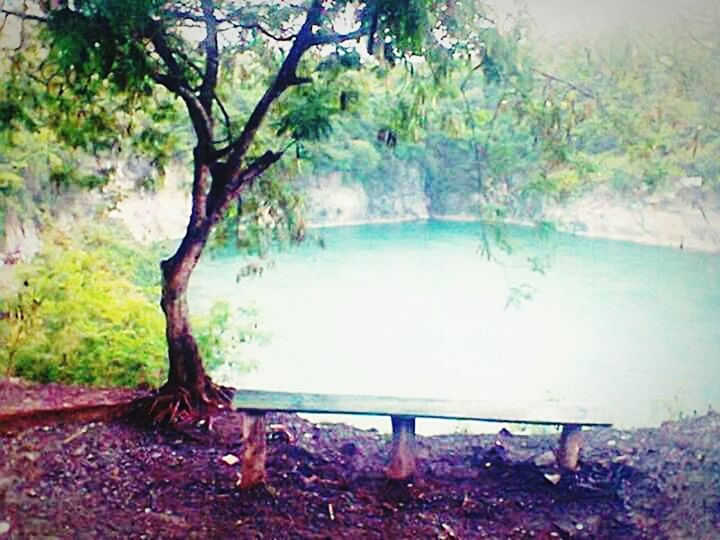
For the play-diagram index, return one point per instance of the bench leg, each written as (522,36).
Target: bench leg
(252,471)
(570,446)
(402,455)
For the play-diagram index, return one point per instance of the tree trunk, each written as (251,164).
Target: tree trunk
(187,379)
(186,369)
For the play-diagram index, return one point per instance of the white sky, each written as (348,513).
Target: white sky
(573,17)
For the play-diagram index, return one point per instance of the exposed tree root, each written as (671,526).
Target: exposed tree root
(173,404)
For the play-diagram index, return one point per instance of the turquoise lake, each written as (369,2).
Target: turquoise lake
(414,309)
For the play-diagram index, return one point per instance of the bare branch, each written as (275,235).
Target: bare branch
(207,88)
(583,91)
(262,30)
(326,39)
(23,15)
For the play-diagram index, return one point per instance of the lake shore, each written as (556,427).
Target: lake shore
(685,215)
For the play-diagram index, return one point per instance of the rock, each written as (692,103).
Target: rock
(691,181)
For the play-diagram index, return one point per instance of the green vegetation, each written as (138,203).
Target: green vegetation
(491,122)
(53,134)
(529,123)
(85,311)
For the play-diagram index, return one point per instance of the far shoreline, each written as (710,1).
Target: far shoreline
(686,244)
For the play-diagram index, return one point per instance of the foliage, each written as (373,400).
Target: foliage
(221,334)
(53,133)
(85,311)
(81,313)
(504,122)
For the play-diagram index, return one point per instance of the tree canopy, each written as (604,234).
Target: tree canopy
(188,49)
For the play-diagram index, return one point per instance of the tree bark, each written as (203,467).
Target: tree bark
(186,371)
(185,363)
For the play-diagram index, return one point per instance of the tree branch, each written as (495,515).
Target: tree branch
(327,39)
(583,91)
(226,117)
(23,15)
(200,121)
(262,30)
(285,78)
(222,194)
(178,85)
(207,88)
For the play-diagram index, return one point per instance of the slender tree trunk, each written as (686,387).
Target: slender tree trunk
(186,372)
(188,386)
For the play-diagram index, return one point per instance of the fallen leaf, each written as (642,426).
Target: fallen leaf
(230,459)
(448,530)
(553,478)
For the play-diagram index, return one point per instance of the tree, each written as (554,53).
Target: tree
(136,46)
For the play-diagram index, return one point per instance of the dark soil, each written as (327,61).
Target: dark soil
(119,480)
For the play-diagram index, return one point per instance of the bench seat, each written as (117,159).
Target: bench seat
(403,412)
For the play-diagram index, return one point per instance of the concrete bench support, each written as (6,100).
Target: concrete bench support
(570,446)
(252,471)
(403,411)
(402,455)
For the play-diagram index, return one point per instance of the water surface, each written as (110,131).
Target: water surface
(415,309)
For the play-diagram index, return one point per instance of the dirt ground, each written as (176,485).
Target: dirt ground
(115,479)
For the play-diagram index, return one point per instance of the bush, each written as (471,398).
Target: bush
(86,311)
(79,314)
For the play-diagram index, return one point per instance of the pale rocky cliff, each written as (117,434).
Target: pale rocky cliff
(684,215)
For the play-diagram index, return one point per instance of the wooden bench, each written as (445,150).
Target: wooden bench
(403,412)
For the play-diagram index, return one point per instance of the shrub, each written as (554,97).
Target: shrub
(81,315)
(86,311)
